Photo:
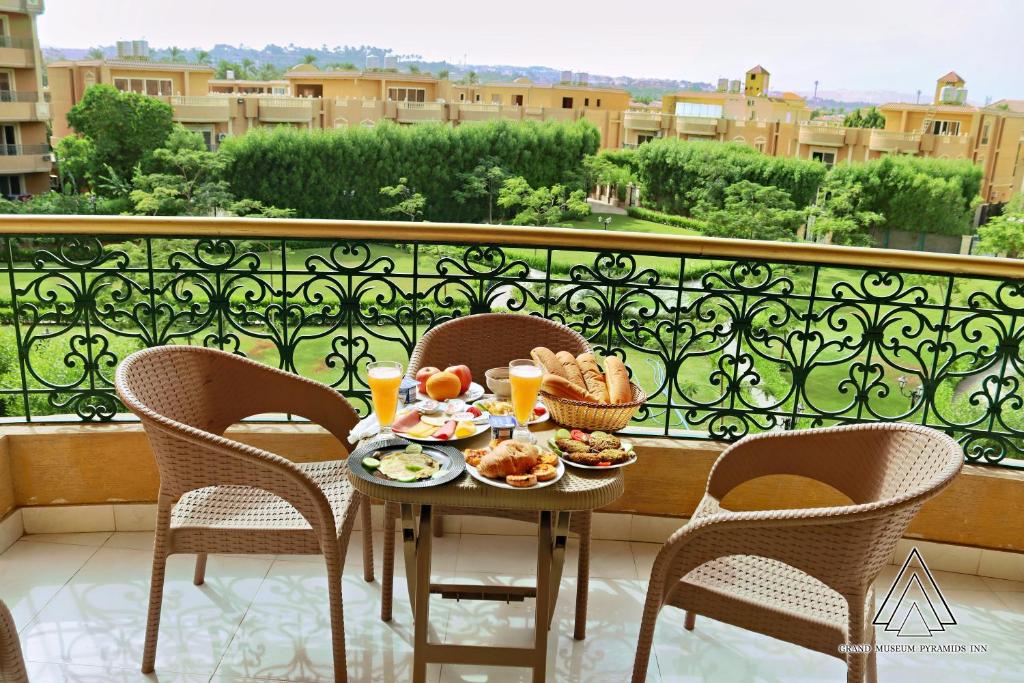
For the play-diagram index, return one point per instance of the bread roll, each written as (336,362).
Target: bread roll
(572,369)
(617,377)
(596,386)
(548,361)
(509,458)
(563,388)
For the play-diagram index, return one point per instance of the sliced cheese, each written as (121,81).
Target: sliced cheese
(421,430)
(465,428)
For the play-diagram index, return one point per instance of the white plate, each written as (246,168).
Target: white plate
(500,483)
(626,446)
(536,420)
(480,429)
(474,393)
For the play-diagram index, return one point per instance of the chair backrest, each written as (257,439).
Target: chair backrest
(12,664)
(491,340)
(186,397)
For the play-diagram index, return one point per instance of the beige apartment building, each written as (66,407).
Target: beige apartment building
(25,159)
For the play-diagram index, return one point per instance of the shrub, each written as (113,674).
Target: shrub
(665,218)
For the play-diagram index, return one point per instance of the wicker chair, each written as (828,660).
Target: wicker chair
(221,496)
(12,664)
(482,342)
(801,575)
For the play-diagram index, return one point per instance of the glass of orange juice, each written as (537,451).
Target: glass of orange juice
(524,376)
(384,377)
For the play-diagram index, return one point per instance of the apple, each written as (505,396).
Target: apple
(423,374)
(464,375)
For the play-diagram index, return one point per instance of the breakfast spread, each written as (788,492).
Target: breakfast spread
(596,449)
(495,406)
(405,466)
(520,465)
(433,420)
(579,378)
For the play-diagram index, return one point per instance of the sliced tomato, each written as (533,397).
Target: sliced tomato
(539,410)
(604,464)
(578,435)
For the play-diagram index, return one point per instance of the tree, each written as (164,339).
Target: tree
(248,68)
(95,53)
(342,66)
(414,69)
(202,57)
(871,119)
(485,180)
(472,78)
(76,155)
(123,127)
(410,203)
(842,217)
(224,66)
(754,212)
(186,179)
(309,59)
(1004,235)
(174,54)
(443,74)
(269,72)
(544,206)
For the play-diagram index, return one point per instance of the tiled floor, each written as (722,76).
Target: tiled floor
(80,601)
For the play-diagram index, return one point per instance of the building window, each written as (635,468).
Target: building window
(148,86)
(984,132)
(750,103)
(477,98)
(759,145)
(462,97)
(704,111)
(586,101)
(495,99)
(827,158)
(566,103)
(599,101)
(517,100)
(641,139)
(944,128)
(407,94)
(11,185)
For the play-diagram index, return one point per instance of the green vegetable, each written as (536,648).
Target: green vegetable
(414,448)
(371,463)
(437,475)
(414,468)
(563,434)
(406,480)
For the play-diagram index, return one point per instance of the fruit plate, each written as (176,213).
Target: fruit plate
(451,461)
(626,446)
(480,429)
(501,484)
(474,393)
(535,420)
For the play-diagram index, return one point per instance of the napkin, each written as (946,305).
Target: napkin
(366,427)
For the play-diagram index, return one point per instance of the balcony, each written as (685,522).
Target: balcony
(764,337)
(16,105)
(25,159)
(893,142)
(642,120)
(821,135)
(24,6)
(201,109)
(17,52)
(420,112)
(696,125)
(286,109)
(477,111)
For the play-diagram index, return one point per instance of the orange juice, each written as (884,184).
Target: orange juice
(525,379)
(384,379)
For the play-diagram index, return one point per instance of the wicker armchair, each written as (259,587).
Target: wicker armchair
(801,575)
(221,496)
(12,664)
(482,342)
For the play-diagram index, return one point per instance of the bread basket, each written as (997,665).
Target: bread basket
(604,417)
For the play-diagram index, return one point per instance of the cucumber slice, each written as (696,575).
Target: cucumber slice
(563,434)
(371,463)
(414,448)
(414,468)
(437,475)
(406,480)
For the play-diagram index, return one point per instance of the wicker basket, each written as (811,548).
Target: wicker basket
(593,416)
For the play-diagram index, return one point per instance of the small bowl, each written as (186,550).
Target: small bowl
(497,382)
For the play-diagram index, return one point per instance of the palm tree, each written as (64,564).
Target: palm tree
(248,67)
(202,57)
(95,53)
(471,77)
(309,59)
(443,74)
(173,54)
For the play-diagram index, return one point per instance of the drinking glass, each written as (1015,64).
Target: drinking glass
(384,377)
(524,376)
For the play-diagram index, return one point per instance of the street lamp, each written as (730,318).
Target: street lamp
(606,221)
(913,394)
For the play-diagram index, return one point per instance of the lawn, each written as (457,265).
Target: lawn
(628,224)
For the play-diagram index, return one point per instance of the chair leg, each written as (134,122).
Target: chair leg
(856,662)
(365,510)
(388,572)
(337,616)
(156,586)
(643,648)
(582,575)
(691,619)
(872,673)
(200,576)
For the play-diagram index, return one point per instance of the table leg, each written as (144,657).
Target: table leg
(409,548)
(421,616)
(561,535)
(542,618)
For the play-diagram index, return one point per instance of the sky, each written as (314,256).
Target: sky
(897,45)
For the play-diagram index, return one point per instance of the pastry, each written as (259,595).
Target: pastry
(572,368)
(596,386)
(563,388)
(545,472)
(617,377)
(521,481)
(509,458)
(548,361)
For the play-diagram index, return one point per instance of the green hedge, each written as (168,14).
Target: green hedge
(665,218)
(338,173)
(678,175)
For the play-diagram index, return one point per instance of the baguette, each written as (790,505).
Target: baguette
(563,388)
(617,377)
(572,369)
(548,362)
(596,386)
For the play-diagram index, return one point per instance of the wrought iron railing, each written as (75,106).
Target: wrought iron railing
(728,337)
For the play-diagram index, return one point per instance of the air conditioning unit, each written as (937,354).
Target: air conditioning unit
(50,157)
(221,137)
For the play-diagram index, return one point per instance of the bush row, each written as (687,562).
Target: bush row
(665,218)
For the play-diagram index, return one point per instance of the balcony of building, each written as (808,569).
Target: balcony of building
(23,6)
(479,111)
(421,112)
(894,142)
(698,125)
(726,338)
(17,52)
(200,109)
(642,120)
(25,159)
(822,135)
(17,105)
(287,109)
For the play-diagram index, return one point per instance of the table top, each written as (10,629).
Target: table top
(576,490)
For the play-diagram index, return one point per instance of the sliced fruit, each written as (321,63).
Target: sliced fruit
(371,463)
(475,411)
(539,410)
(578,435)
(414,448)
(563,434)
(414,468)
(465,428)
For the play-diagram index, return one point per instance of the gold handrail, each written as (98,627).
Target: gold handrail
(471,233)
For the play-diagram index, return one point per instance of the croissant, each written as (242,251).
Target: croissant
(509,458)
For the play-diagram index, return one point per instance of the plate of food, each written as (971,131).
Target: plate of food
(454,382)
(514,465)
(430,421)
(592,451)
(397,462)
(492,405)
